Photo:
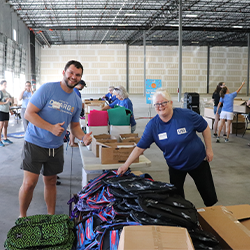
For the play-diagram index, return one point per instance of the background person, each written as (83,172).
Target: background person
(216,98)
(110,97)
(25,96)
(5,103)
(123,101)
(174,132)
(77,89)
(227,99)
(51,109)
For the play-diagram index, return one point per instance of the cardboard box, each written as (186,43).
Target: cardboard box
(154,237)
(103,138)
(96,130)
(112,153)
(115,131)
(230,225)
(210,122)
(131,137)
(240,106)
(93,104)
(209,112)
(240,127)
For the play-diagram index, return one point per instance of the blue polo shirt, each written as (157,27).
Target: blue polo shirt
(177,139)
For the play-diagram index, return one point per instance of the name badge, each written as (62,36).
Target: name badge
(56,105)
(181,131)
(162,136)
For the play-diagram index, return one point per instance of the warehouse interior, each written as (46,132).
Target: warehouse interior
(207,28)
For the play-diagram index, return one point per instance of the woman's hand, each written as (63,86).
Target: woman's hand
(209,154)
(121,170)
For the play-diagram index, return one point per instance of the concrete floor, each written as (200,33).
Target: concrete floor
(230,168)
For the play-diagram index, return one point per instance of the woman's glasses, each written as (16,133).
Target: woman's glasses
(163,104)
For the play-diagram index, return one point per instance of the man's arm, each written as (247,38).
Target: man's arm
(31,114)
(76,130)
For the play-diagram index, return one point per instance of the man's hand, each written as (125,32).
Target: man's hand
(57,129)
(87,139)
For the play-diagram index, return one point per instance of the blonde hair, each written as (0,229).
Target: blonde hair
(163,92)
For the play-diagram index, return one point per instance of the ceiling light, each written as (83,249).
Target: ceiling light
(113,36)
(210,36)
(191,15)
(157,35)
(122,24)
(130,14)
(238,27)
(174,25)
(194,42)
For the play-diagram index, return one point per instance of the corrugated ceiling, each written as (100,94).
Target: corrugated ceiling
(204,22)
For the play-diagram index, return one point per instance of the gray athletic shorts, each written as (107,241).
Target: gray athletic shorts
(46,161)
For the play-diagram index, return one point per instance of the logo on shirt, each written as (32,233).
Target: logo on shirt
(61,106)
(181,131)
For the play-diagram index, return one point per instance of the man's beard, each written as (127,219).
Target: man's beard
(71,87)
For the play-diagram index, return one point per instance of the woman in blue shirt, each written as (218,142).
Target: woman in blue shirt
(123,101)
(174,132)
(227,99)
(110,97)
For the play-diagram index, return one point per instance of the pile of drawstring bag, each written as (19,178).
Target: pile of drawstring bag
(109,202)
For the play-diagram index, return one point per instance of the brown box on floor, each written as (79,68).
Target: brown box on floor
(112,153)
(132,137)
(154,237)
(230,225)
(102,138)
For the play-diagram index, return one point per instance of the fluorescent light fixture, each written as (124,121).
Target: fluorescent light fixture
(113,36)
(121,24)
(157,35)
(191,15)
(130,14)
(210,36)
(238,27)
(194,42)
(174,25)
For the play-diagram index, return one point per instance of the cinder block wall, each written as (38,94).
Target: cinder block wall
(105,65)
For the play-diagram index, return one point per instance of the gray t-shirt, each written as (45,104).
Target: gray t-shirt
(4,107)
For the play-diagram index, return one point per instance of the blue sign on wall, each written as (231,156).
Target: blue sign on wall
(151,86)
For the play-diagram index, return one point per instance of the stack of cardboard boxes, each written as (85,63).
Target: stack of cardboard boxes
(111,150)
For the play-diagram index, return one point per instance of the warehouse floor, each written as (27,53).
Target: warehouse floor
(230,168)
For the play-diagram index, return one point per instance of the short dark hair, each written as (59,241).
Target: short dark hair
(2,82)
(77,64)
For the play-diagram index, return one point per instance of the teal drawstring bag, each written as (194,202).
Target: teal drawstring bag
(119,116)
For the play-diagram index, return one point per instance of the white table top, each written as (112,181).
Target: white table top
(91,162)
